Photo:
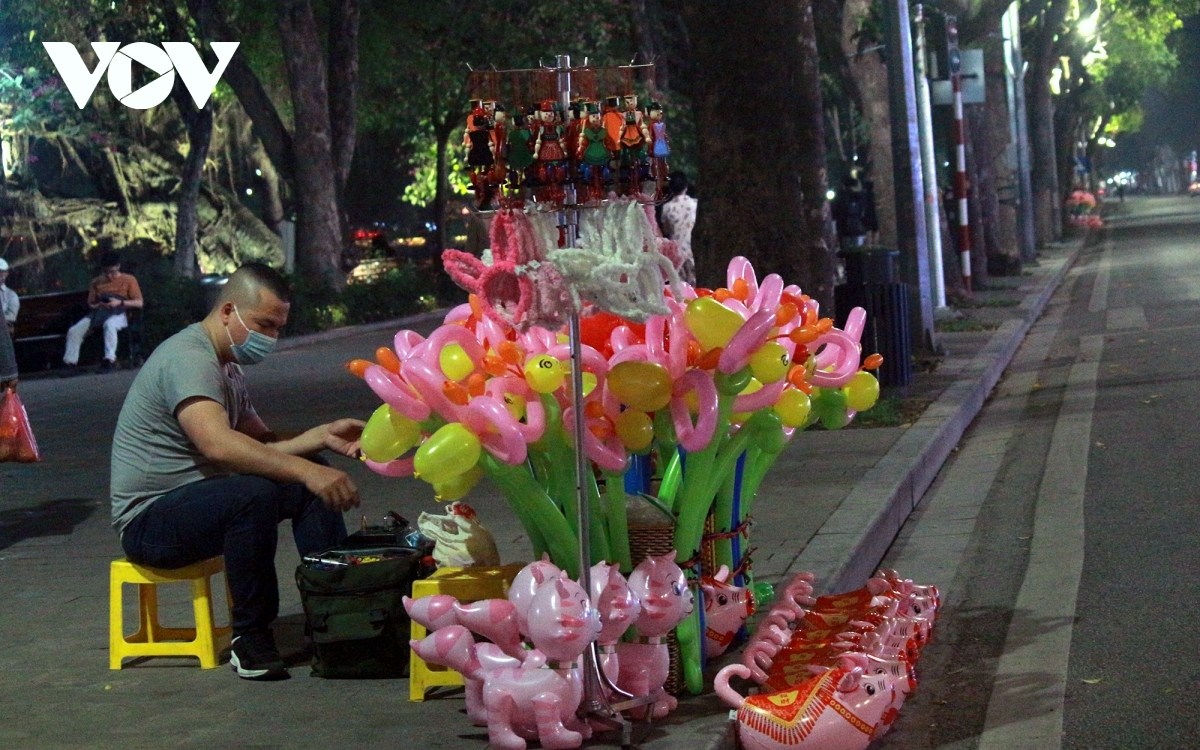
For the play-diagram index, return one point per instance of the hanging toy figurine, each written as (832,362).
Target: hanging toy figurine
(519,151)
(660,149)
(499,134)
(634,137)
(613,123)
(593,154)
(577,119)
(478,141)
(548,150)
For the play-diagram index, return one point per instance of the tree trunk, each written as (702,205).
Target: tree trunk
(272,202)
(199,124)
(268,125)
(870,75)
(343,88)
(1047,208)
(441,192)
(318,231)
(750,141)
(810,115)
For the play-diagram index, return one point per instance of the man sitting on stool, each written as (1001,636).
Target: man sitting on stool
(109,295)
(196,473)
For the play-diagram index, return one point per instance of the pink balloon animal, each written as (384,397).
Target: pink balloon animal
(666,600)
(837,710)
(494,619)
(726,608)
(537,699)
(618,609)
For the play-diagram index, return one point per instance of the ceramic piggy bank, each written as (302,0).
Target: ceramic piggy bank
(461,540)
(726,608)
(666,599)
(837,710)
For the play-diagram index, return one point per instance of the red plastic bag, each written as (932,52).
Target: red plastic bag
(16,437)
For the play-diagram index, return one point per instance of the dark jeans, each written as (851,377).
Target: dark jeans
(238,517)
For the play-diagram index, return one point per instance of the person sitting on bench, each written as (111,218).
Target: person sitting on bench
(196,473)
(10,303)
(109,295)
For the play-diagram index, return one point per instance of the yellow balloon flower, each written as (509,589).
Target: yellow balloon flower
(449,452)
(642,386)
(388,435)
(710,322)
(455,363)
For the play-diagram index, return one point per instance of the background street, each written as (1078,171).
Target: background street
(1062,532)
(1064,529)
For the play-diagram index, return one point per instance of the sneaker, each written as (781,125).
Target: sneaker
(254,657)
(107,366)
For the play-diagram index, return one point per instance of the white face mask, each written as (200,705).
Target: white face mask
(254,349)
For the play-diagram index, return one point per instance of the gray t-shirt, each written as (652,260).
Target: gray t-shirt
(151,454)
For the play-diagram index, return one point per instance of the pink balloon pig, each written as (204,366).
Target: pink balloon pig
(726,608)
(837,710)
(537,699)
(666,600)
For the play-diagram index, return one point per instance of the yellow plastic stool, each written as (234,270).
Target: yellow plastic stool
(466,585)
(204,641)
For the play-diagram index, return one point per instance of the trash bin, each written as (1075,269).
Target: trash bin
(871,284)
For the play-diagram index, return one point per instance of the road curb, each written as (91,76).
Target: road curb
(848,547)
(341,333)
(851,543)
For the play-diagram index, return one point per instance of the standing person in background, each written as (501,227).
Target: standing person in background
(109,295)
(8,362)
(849,211)
(10,304)
(870,215)
(677,219)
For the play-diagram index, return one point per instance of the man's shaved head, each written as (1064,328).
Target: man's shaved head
(246,284)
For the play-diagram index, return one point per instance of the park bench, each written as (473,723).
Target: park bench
(41,330)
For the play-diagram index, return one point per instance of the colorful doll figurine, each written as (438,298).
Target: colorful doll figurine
(577,119)
(593,154)
(660,148)
(480,159)
(614,122)
(548,148)
(659,584)
(520,150)
(634,137)
(499,146)
(618,609)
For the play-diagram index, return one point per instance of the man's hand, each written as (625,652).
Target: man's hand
(343,436)
(6,384)
(115,303)
(334,487)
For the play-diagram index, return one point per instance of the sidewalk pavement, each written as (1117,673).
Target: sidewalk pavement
(832,505)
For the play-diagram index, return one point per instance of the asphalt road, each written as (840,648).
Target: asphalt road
(1068,519)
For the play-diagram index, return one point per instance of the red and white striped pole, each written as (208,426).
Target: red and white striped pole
(960,154)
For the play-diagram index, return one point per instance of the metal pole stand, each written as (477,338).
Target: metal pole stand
(595,706)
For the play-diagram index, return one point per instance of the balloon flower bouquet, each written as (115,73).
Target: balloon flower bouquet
(689,395)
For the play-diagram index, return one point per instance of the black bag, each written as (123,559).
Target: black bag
(355,610)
